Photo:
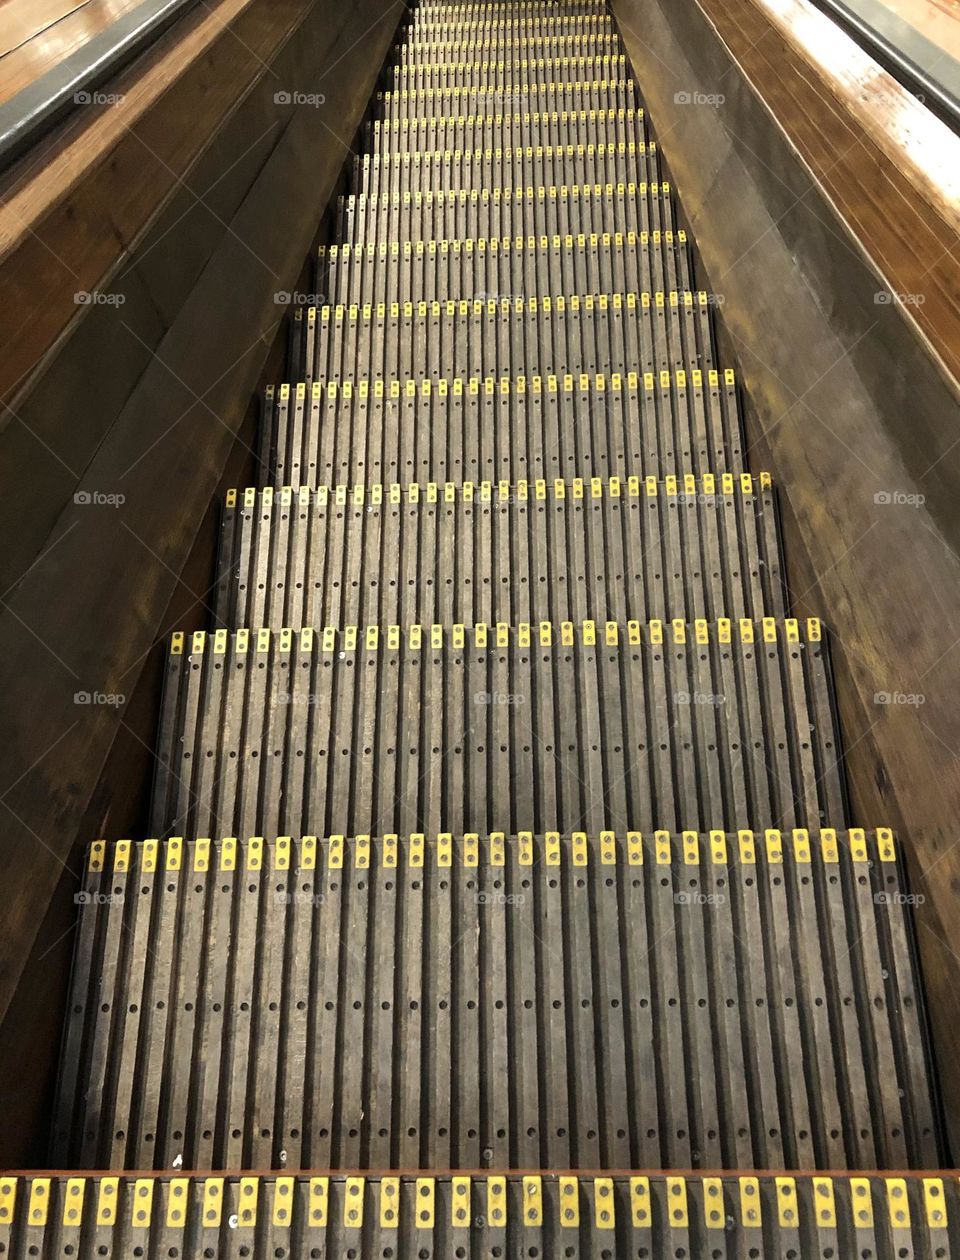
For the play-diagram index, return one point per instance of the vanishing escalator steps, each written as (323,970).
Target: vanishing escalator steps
(579,1001)
(421,728)
(548,551)
(505,569)
(372,1217)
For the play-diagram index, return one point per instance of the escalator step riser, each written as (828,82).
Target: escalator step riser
(480,269)
(578,211)
(447,170)
(508,131)
(507,47)
(641,214)
(367,1218)
(354,557)
(612,333)
(500,430)
(422,21)
(466,1003)
(402,729)
(581,94)
(490,73)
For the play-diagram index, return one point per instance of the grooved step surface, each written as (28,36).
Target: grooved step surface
(547,166)
(489,429)
(519,211)
(567,551)
(485,268)
(603,1001)
(556,337)
(505,130)
(368,1218)
(425,728)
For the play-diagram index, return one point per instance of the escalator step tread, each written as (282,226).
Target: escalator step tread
(425,727)
(606,1000)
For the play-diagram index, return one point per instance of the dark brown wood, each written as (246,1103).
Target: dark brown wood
(849,407)
(92,604)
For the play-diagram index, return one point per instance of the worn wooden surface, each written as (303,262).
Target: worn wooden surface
(70,624)
(364,1217)
(851,411)
(712,1001)
(37,34)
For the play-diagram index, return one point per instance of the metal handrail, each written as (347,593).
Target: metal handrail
(926,71)
(73,82)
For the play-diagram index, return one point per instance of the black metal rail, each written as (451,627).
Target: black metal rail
(73,83)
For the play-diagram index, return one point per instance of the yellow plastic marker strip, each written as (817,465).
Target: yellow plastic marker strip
(107,1196)
(213,1202)
(750,1202)
(677,1202)
(533,1200)
(39,1202)
(249,1191)
(886,846)
(861,1202)
(714,1216)
(569,1202)
(497,1201)
(319,1200)
(73,1200)
(353,1202)
(143,1202)
(389,1202)
(604,1215)
(8,1199)
(460,1206)
(934,1203)
(824,1202)
(640,1209)
(283,1195)
(178,1199)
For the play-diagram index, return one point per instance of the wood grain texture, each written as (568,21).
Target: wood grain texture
(890,168)
(72,615)
(853,413)
(34,37)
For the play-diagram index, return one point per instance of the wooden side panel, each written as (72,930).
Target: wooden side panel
(853,416)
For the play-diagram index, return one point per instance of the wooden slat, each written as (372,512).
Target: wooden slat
(345,1057)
